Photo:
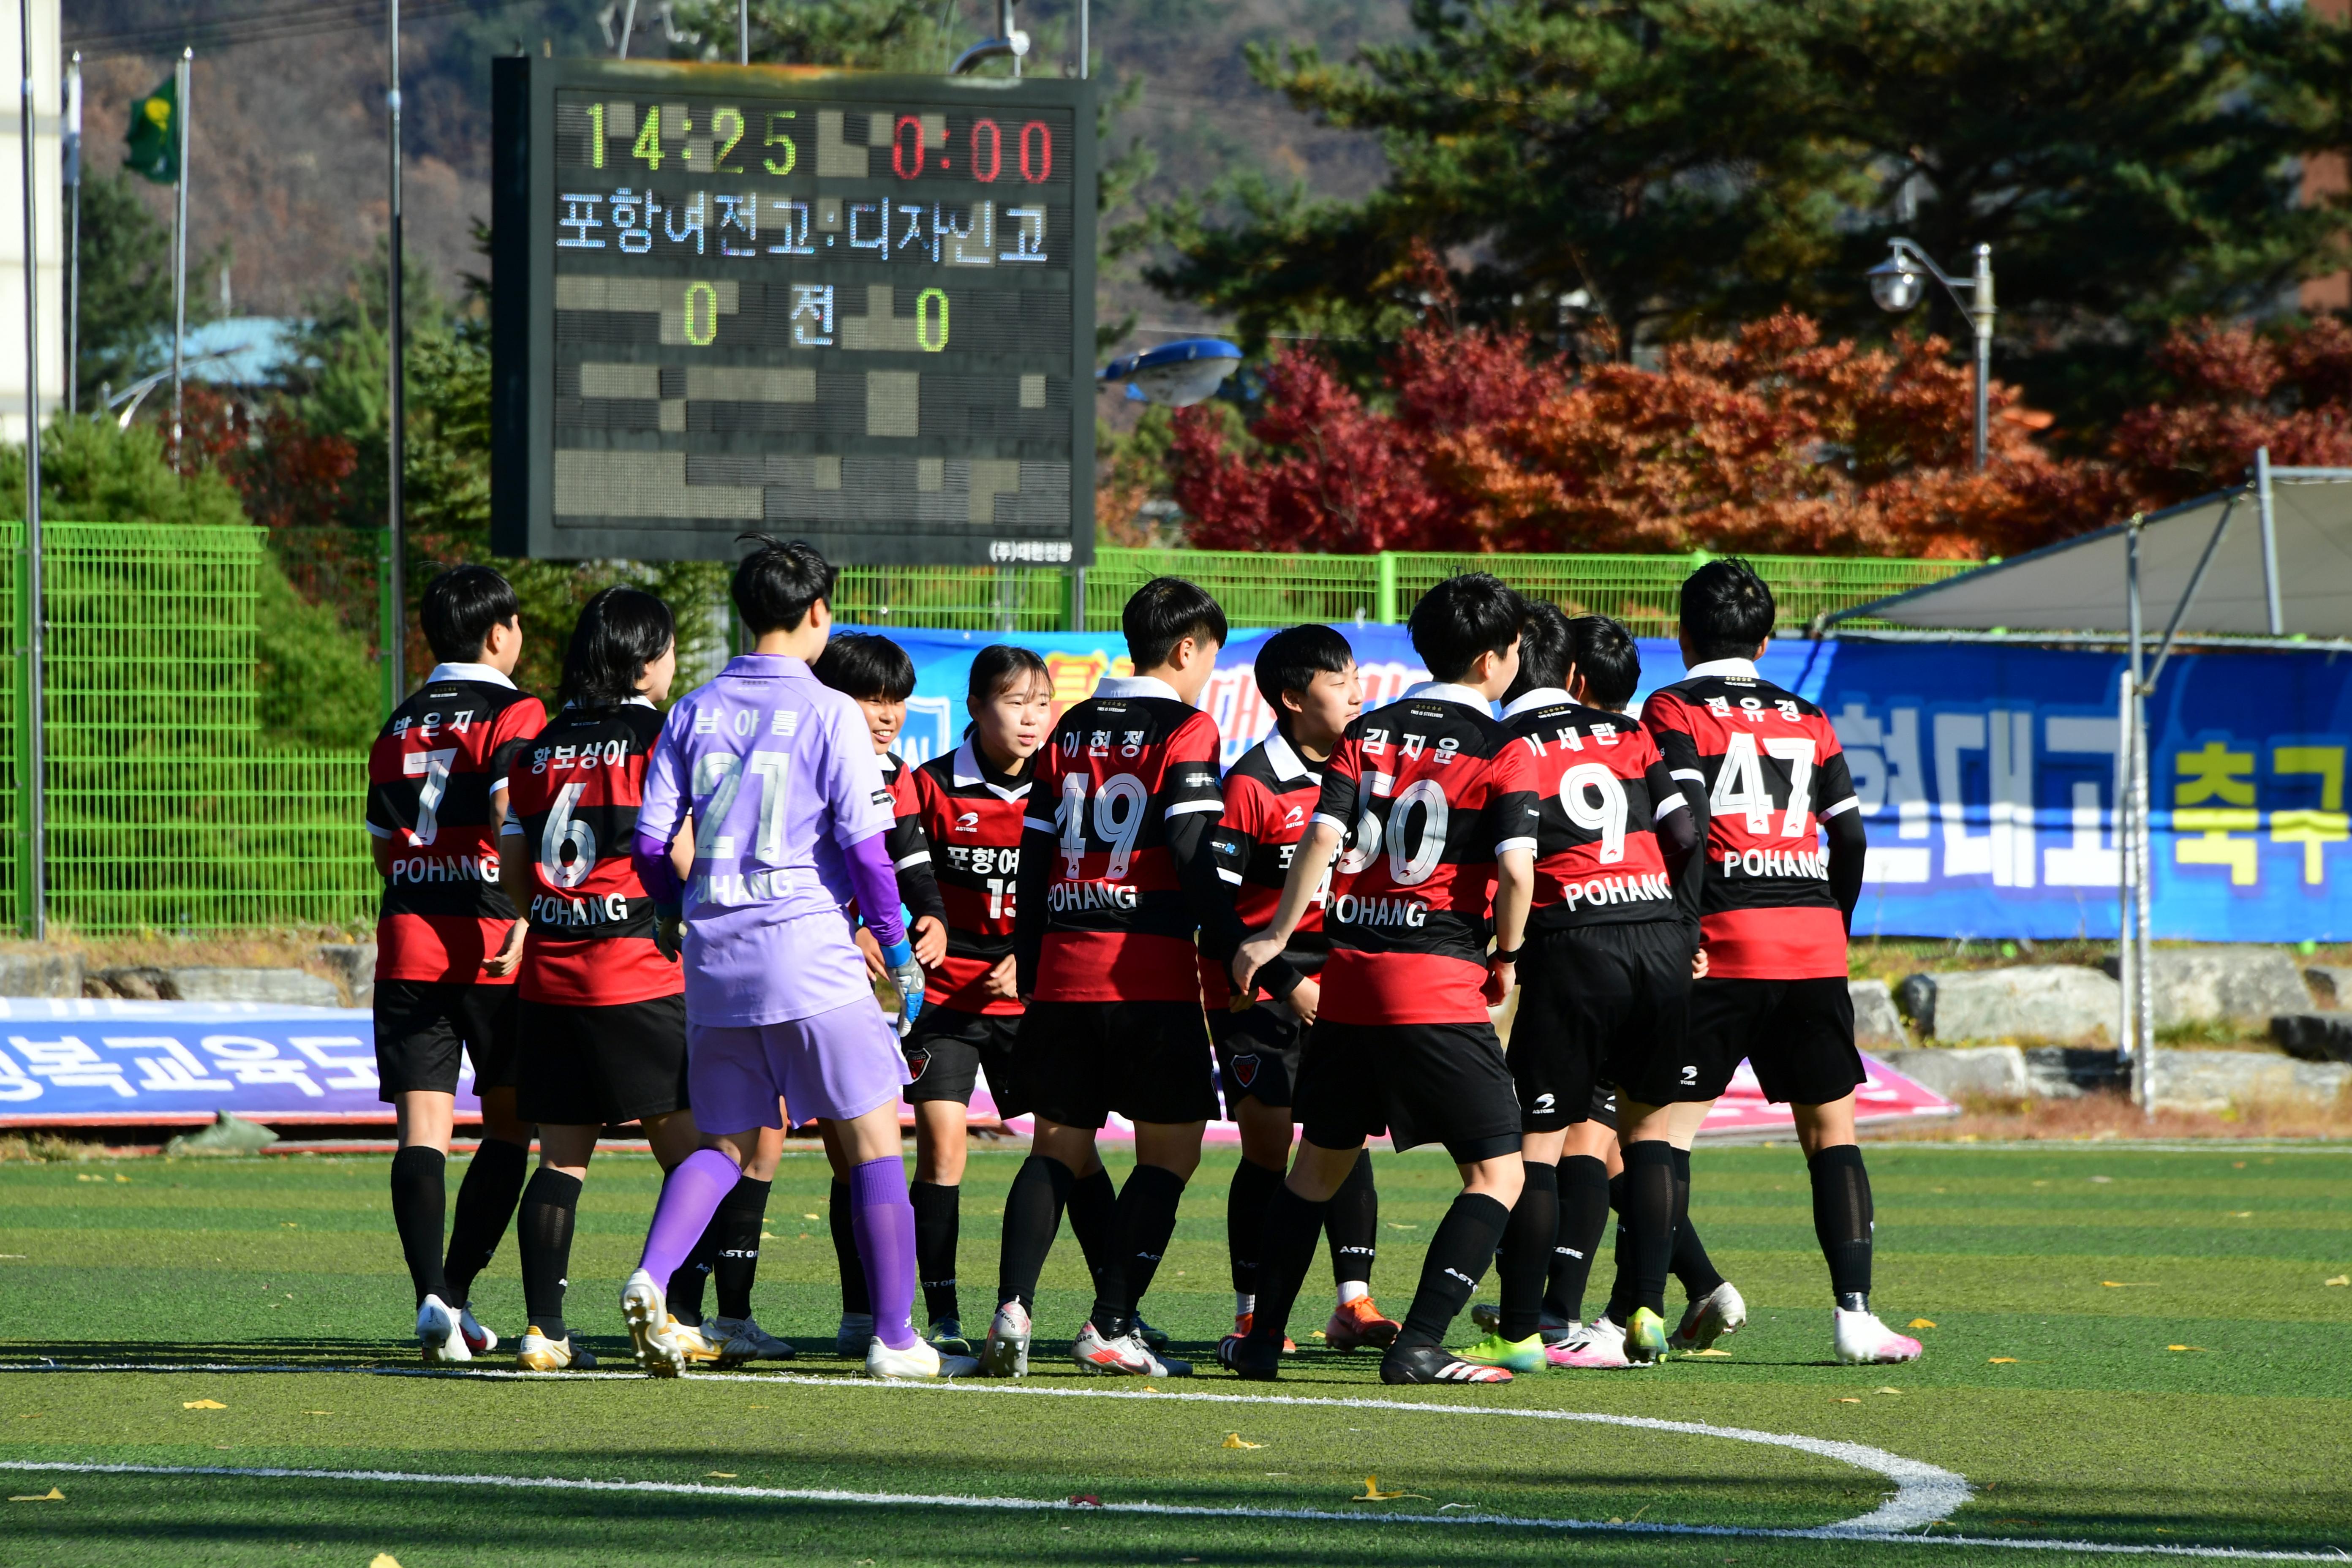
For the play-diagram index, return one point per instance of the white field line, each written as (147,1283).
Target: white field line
(1041,1505)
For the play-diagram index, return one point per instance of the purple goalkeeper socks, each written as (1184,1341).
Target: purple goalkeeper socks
(883,1218)
(688,1199)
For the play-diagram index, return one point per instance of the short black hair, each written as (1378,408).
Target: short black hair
(777,583)
(1463,617)
(1727,610)
(1163,613)
(865,666)
(1543,650)
(620,631)
(1292,658)
(997,668)
(1605,654)
(460,607)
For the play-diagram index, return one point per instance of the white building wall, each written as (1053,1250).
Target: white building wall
(49,99)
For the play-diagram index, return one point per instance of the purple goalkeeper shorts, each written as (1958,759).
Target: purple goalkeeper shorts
(836,1065)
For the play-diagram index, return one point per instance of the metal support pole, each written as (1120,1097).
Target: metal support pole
(72,149)
(742,32)
(180,251)
(396,626)
(1085,19)
(2136,1000)
(34,782)
(1980,316)
(628,25)
(2126,865)
(2270,541)
(1078,618)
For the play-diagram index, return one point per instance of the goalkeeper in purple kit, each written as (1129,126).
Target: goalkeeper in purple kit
(771,779)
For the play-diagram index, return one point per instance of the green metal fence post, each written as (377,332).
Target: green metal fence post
(1077,586)
(1387,591)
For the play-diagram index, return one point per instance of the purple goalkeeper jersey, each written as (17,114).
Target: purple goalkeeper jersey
(780,778)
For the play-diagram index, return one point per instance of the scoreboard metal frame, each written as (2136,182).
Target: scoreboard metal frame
(766,435)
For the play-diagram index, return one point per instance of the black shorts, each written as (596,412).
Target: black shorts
(1604,1107)
(1594,1001)
(421,1025)
(948,1051)
(1148,1061)
(1257,1055)
(1421,1083)
(1797,1034)
(578,1066)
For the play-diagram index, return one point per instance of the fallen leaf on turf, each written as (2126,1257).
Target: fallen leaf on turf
(1372,1493)
(1885,1390)
(1085,1499)
(384,1560)
(124,1180)
(317,1412)
(1920,1324)
(2199,1349)
(1706,1353)
(1319,1335)
(808,1216)
(2125,1284)
(2242,1214)
(52,1495)
(1234,1441)
(201,1405)
(722,1475)
(1395,1226)
(2001,1360)
(2341,1279)
(30,1415)
(1842,1400)
(2103,1179)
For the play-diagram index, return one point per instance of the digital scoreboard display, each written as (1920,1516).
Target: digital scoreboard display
(853,309)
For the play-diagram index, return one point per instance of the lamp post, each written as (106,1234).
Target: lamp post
(1896,284)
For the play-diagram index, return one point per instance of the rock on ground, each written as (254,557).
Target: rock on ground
(2201,984)
(1956,1070)
(276,986)
(354,966)
(2331,983)
(2070,1072)
(2313,1037)
(1877,1024)
(2215,1080)
(40,972)
(2044,1002)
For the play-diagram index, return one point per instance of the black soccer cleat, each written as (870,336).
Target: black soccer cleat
(1249,1358)
(1428,1364)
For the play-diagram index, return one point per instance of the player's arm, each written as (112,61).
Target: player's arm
(519,723)
(1670,820)
(919,889)
(1029,917)
(661,820)
(1327,831)
(1841,819)
(514,880)
(1667,720)
(1513,810)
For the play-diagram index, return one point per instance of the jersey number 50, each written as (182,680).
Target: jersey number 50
(1406,869)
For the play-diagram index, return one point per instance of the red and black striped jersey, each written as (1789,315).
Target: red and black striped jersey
(1430,790)
(971,820)
(1269,794)
(571,803)
(1767,767)
(1602,788)
(430,773)
(910,851)
(1112,788)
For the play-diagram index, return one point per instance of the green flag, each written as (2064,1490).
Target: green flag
(152,146)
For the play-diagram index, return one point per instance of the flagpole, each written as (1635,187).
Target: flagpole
(37,827)
(180,248)
(395,628)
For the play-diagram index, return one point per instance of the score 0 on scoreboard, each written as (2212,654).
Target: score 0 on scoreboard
(853,309)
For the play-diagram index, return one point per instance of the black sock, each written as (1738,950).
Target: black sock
(1620,1285)
(1147,1218)
(1286,1251)
(1692,1266)
(417,1201)
(1033,1213)
(682,1292)
(1844,1220)
(1650,1219)
(485,1205)
(735,1268)
(551,1204)
(854,1297)
(1246,1203)
(1352,1218)
(1092,1204)
(937,1217)
(1583,1218)
(1526,1255)
(1458,1255)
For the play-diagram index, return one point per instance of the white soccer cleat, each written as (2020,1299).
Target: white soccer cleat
(648,1315)
(742,1340)
(1006,1354)
(478,1340)
(920,1360)
(540,1354)
(1863,1339)
(437,1332)
(1602,1343)
(1126,1356)
(1717,1315)
(856,1332)
(694,1342)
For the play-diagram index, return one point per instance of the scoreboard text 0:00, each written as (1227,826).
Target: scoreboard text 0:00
(853,309)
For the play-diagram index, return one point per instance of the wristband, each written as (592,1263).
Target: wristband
(1499,956)
(899,955)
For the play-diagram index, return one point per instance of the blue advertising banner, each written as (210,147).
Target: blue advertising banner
(1986,771)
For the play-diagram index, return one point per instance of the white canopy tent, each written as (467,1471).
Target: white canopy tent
(2264,563)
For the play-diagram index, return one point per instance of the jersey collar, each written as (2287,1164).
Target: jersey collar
(1719,667)
(1117,686)
(1541,697)
(770,664)
(483,674)
(1447,692)
(968,772)
(1285,760)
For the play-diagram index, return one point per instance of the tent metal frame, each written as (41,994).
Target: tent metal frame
(2136,1032)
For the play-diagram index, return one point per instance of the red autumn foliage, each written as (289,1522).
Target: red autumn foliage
(1771,441)
(287,475)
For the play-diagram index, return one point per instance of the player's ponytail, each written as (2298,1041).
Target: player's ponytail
(619,633)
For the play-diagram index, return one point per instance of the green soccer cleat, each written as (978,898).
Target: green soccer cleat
(947,1336)
(1511,1355)
(1646,1338)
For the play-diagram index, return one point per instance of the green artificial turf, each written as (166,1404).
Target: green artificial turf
(2058,1280)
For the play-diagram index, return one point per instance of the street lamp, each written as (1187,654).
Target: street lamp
(1896,284)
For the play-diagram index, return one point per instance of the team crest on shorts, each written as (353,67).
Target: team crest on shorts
(1245,1071)
(917,1059)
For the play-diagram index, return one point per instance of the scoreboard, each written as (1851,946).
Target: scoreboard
(847,308)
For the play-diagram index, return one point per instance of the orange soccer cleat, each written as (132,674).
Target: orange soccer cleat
(1358,1323)
(1242,1321)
